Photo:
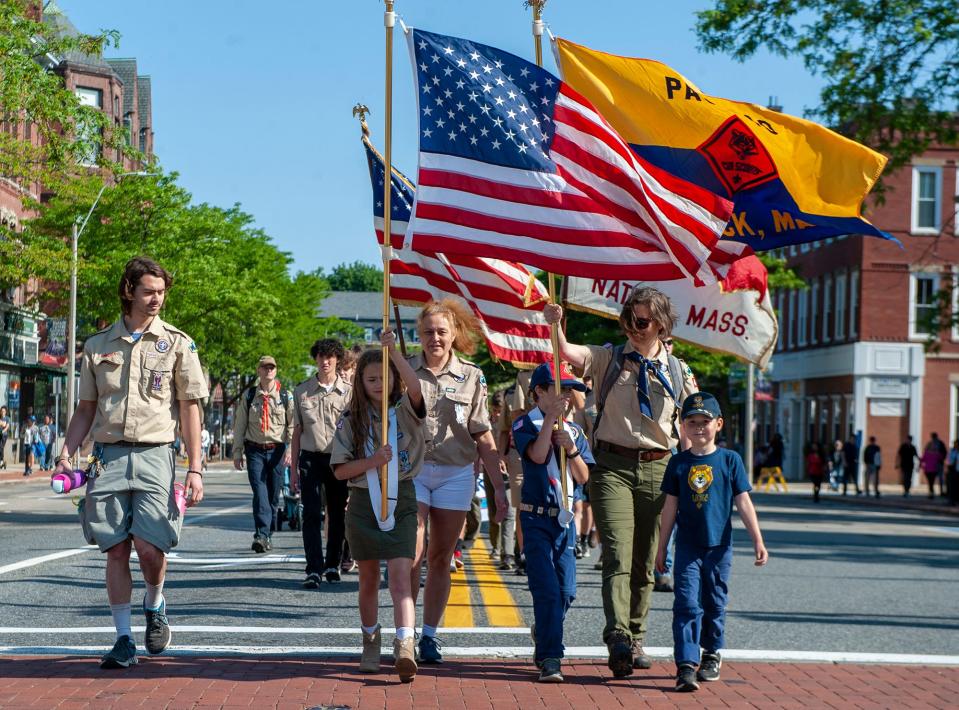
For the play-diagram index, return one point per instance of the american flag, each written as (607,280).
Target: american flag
(514,163)
(505,296)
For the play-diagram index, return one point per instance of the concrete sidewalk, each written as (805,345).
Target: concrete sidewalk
(177,683)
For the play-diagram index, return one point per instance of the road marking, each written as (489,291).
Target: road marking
(584,652)
(501,608)
(459,608)
(288,631)
(947,531)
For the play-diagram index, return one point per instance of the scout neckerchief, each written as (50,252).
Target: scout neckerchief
(565,516)
(642,381)
(392,476)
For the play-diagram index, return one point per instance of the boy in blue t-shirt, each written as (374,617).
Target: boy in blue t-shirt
(701,485)
(548,533)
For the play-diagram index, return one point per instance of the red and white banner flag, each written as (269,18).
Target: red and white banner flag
(734,316)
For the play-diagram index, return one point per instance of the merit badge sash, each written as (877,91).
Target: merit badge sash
(565,516)
(392,477)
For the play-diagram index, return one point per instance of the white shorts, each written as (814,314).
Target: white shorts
(445,487)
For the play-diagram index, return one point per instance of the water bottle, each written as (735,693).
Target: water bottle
(179,497)
(66,482)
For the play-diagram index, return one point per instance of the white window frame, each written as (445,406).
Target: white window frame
(840,329)
(803,319)
(953,413)
(853,303)
(826,307)
(780,299)
(814,313)
(955,301)
(791,319)
(914,277)
(917,172)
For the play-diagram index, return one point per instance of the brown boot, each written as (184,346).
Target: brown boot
(370,659)
(640,659)
(620,654)
(404,659)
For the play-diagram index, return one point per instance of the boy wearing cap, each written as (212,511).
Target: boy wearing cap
(701,485)
(546,515)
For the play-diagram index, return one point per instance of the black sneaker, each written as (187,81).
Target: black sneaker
(507,564)
(709,667)
(332,575)
(429,650)
(549,671)
(686,679)
(520,567)
(640,659)
(122,655)
(620,655)
(312,581)
(259,545)
(157,634)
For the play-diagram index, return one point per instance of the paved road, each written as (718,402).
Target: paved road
(842,579)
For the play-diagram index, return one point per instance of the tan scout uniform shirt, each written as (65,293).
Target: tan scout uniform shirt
(409,442)
(317,411)
(514,405)
(247,424)
(455,410)
(137,384)
(622,423)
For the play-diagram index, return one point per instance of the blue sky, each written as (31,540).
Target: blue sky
(252,101)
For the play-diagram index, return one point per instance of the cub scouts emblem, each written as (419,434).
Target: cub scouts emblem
(700,479)
(157,381)
(697,401)
(162,345)
(739,159)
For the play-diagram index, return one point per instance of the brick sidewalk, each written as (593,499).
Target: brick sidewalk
(176,683)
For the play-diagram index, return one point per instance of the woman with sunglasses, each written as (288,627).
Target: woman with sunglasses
(638,385)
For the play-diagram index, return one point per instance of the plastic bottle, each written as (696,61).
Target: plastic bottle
(66,482)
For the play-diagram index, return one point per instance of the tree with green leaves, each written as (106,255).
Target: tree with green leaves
(357,276)
(891,67)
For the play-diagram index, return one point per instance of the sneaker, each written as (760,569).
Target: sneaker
(453,566)
(494,553)
(312,581)
(332,575)
(458,559)
(578,551)
(663,584)
(259,545)
(709,667)
(404,659)
(508,563)
(269,544)
(686,679)
(370,657)
(347,566)
(122,655)
(550,671)
(157,635)
(640,659)
(429,650)
(620,654)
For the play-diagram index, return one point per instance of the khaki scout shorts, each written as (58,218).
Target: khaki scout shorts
(132,496)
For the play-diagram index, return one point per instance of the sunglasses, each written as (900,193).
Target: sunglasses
(268,367)
(641,324)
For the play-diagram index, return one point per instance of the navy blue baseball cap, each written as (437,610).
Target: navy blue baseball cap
(543,377)
(701,403)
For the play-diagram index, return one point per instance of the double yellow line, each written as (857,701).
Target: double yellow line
(497,601)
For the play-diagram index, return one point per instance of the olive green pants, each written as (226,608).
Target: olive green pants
(627,502)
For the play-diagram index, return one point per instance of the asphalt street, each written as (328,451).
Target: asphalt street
(841,578)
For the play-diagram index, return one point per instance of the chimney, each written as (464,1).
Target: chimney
(774,104)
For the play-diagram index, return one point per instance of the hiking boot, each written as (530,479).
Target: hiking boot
(686,679)
(404,659)
(370,658)
(709,667)
(620,654)
(312,581)
(550,671)
(259,545)
(429,650)
(332,575)
(640,659)
(122,655)
(157,635)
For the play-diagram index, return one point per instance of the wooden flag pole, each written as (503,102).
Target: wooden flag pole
(389,20)
(537,6)
(399,328)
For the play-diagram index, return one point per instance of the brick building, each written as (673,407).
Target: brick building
(852,356)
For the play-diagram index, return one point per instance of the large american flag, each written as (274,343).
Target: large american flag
(514,163)
(505,296)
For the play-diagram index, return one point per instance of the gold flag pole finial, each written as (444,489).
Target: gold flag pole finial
(360,111)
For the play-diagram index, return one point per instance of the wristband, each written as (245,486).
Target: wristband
(572,455)
(198,473)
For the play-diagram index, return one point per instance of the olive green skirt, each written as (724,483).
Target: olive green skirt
(367,541)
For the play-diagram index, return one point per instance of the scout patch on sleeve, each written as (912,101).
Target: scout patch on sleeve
(700,479)
(192,346)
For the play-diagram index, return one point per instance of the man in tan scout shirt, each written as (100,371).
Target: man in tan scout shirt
(318,402)
(138,378)
(262,430)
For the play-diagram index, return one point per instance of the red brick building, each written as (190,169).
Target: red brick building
(852,356)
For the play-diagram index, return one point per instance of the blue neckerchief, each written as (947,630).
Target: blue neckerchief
(642,382)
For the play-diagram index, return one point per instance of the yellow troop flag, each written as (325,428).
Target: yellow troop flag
(791,180)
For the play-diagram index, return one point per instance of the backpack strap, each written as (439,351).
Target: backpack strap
(676,378)
(613,369)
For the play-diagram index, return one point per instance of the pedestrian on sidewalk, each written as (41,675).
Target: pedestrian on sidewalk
(872,458)
(906,458)
(48,437)
(548,520)
(139,379)
(318,403)
(952,474)
(836,463)
(4,435)
(701,484)
(931,463)
(205,442)
(850,471)
(940,447)
(815,470)
(357,458)
(30,435)
(262,430)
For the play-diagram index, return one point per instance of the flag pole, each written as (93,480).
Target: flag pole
(399,328)
(538,6)
(389,20)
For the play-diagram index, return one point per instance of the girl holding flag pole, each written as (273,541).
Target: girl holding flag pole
(357,459)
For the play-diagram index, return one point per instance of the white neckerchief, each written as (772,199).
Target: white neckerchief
(565,517)
(392,476)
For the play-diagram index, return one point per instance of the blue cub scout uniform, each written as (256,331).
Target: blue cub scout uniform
(548,546)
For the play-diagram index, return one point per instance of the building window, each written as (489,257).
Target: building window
(926,192)
(791,319)
(836,418)
(779,316)
(854,303)
(803,317)
(840,307)
(814,315)
(87,132)
(954,419)
(827,308)
(923,302)
(368,335)
(811,420)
